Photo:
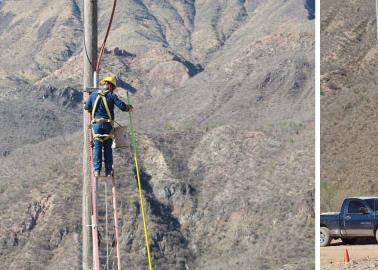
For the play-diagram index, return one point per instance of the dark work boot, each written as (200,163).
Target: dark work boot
(109,173)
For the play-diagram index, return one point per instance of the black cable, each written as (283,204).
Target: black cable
(85,45)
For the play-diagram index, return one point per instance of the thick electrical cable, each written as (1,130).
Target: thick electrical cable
(106,37)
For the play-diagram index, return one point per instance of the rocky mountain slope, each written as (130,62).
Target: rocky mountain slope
(348,111)
(223,96)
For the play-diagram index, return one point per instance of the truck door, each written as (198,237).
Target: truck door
(355,221)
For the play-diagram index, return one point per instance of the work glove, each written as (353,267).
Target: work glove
(129,108)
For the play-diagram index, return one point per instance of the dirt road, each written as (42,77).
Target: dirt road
(363,255)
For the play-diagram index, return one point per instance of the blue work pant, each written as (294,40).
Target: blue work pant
(102,128)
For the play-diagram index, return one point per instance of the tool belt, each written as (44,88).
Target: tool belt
(101,120)
(103,137)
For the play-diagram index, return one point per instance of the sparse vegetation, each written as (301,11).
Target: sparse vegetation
(223,170)
(348,65)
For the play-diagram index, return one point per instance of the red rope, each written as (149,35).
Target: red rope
(106,37)
(93,194)
(90,154)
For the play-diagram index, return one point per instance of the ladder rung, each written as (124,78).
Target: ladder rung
(102,221)
(104,256)
(104,177)
(102,196)
(110,216)
(104,218)
(110,225)
(106,240)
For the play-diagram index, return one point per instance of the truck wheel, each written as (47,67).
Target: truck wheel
(376,234)
(325,237)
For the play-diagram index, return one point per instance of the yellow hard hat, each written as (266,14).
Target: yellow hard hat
(110,79)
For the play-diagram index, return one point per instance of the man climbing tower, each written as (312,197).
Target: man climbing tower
(101,104)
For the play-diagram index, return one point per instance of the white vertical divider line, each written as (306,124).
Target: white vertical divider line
(376,16)
(317,134)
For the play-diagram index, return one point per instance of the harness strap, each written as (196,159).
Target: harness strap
(101,95)
(95,105)
(101,120)
(103,137)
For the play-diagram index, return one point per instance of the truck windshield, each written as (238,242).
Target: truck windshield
(373,204)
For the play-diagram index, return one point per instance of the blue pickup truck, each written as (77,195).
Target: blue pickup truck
(358,218)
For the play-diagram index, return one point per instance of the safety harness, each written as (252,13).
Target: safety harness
(102,95)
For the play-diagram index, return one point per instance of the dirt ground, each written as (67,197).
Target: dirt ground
(362,254)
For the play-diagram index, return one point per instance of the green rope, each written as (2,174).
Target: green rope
(131,127)
(134,143)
